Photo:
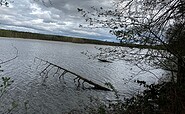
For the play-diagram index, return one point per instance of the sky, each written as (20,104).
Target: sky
(60,17)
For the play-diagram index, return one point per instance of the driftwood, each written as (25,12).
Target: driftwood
(77,78)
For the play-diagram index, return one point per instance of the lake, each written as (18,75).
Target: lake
(55,96)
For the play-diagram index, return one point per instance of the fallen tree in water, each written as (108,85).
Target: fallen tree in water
(49,66)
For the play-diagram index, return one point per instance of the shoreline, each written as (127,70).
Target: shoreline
(36,36)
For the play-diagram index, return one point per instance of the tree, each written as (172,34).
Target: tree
(147,22)
(151,23)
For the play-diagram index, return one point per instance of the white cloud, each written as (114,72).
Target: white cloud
(86,32)
(60,17)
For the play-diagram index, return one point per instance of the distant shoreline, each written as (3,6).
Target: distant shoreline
(37,36)
(29,35)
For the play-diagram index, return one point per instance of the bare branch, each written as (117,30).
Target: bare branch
(16,55)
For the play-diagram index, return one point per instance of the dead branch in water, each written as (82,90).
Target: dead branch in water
(77,77)
(16,55)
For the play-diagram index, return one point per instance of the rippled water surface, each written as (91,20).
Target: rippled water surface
(54,96)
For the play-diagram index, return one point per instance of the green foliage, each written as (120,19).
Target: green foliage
(164,98)
(144,103)
(6,82)
(157,99)
(149,22)
(13,106)
(101,110)
(175,35)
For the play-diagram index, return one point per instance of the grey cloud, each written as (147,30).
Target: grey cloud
(59,17)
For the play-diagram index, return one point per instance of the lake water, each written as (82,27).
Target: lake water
(54,96)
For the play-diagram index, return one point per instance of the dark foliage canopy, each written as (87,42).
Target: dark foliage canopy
(149,22)
(141,21)
(146,22)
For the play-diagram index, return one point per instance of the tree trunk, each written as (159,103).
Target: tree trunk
(181,72)
(179,96)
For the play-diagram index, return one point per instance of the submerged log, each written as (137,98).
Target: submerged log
(104,60)
(77,77)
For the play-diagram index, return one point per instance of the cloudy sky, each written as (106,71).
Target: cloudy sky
(59,17)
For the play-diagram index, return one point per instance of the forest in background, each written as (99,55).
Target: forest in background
(29,35)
